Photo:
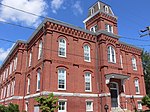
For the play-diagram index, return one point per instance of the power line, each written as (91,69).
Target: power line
(22,10)
(13,24)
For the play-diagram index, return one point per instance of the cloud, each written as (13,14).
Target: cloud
(4,53)
(77,9)
(37,7)
(56,4)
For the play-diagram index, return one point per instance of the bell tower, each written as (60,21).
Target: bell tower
(101,17)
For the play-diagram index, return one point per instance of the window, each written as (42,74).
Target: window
(88,85)
(26,106)
(137,88)
(15,63)
(8,90)
(30,58)
(106,9)
(38,80)
(10,69)
(61,79)
(94,28)
(36,108)
(87,53)
(62,48)
(121,62)
(89,106)
(109,28)
(12,87)
(134,64)
(111,55)
(139,105)
(62,106)
(28,85)
(92,10)
(40,50)
(1,93)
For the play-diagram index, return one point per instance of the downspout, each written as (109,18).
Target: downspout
(97,74)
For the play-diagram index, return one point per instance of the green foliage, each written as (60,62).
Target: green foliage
(10,108)
(146,69)
(146,101)
(47,104)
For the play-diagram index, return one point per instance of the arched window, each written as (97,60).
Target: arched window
(62,48)
(106,9)
(87,53)
(28,85)
(30,58)
(134,63)
(137,87)
(38,80)
(61,79)
(88,82)
(40,49)
(111,54)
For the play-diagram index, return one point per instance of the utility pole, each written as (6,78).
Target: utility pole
(145,32)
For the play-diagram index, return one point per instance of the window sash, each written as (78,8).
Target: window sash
(134,64)
(89,106)
(38,80)
(30,59)
(62,79)
(137,88)
(88,82)
(111,55)
(40,50)
(87,53)
(28,86)
(62,48)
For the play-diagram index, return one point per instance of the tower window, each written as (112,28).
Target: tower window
(109,28)
(92,11)
(106,9)
(87,53)
(94,28)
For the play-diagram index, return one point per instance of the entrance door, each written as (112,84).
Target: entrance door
(114,94)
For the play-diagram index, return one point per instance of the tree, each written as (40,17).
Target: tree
(13,108)
(10,108)
(47,104)
(146,101)
(146,70)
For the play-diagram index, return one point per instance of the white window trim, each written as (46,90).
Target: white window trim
(110,48)
(94,28)
(63,100)
(37,108)
(64,79)
(106,9)
(40,49)
(109,28)
(91,108)
(92,10)
(137,85)
(38,79)
(60,46)
(90,82)
(87,52)
(121,61)
(30,58)
(134,66)
(28,85)
(139,101)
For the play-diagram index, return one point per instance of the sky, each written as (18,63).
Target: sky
(133,16)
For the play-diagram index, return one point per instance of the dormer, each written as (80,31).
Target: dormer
(101,17)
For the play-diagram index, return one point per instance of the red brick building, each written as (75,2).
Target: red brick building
(85,68)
